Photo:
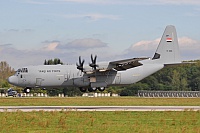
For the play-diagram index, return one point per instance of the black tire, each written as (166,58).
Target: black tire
(27,90)
(83,89)
(101,88)
(92,89)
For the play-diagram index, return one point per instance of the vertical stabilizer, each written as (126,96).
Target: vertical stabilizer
(168,48)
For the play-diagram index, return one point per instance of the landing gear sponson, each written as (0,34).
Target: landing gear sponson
(83,89)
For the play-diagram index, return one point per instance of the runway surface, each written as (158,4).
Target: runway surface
(98,108)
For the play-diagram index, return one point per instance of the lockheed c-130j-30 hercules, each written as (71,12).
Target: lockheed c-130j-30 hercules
(100,75)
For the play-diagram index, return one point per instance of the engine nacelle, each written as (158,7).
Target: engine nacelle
(102,66)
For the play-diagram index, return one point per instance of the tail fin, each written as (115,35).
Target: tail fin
(168,49)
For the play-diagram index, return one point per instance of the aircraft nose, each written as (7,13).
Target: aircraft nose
(13,80)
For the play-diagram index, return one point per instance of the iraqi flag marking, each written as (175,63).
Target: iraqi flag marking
(169,39)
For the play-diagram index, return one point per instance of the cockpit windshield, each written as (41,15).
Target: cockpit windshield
(22,70)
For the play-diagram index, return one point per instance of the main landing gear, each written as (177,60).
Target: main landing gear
(82,89)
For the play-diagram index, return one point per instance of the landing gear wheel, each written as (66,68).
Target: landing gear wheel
(82,89)
(27,90)
(92,89)
(101,88)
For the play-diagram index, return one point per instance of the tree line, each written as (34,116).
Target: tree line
(5,72)
(184,77)
(53,62)
(172,78)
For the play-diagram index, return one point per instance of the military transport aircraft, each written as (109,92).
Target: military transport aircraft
(100,75)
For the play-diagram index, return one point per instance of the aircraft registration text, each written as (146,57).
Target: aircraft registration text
(49,71)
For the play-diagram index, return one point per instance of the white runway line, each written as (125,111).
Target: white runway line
(97,108)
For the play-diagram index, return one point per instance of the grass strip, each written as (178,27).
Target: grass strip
(98,122)
(99,101)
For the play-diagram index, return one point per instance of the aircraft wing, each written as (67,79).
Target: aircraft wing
(122,65)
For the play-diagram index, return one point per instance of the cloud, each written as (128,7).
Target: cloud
(68,53)
(95,17)
(189,48)
(187,43)
(179,2)
(51,46)
(13,30)
(145,45)
(82,44)
(194,13)
(37,2)
(144,48)
(19,30)
(91,1)
(92,16)
(133,2)
(5,45)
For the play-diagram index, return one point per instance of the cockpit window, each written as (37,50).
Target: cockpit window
(23,70)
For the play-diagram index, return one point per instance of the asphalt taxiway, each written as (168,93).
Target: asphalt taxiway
(97,108)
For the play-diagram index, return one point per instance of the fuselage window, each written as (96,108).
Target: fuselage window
(21,76)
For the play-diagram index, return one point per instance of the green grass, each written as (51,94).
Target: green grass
(100,101)
(100,122)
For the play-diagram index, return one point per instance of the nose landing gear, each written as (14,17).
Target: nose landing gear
(27,90)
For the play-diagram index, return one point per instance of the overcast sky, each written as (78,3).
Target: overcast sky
(34,30)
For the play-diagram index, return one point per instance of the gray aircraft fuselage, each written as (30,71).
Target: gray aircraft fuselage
(45,76)
(100,75)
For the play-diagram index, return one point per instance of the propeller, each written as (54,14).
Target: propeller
(80,64)
(93,64)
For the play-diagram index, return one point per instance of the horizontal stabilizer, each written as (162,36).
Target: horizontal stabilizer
(182,63)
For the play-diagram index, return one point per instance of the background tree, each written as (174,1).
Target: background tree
(176,80)
(5,72)
(53,62)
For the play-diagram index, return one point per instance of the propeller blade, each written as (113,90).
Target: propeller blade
(93,64)
(92,58)
(82,62)
(80,65)
(79,59)
(95,59)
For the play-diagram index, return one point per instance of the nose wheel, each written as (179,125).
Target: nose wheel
(27,90)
